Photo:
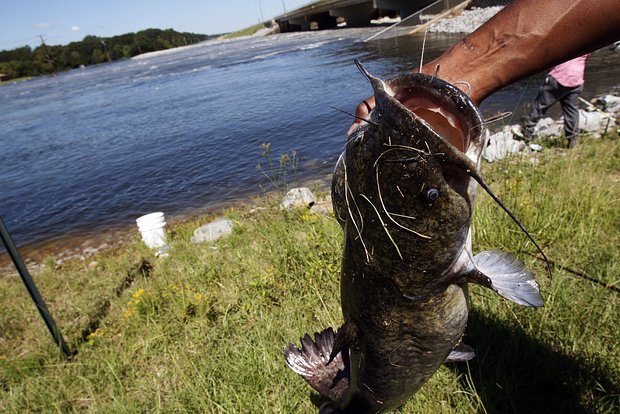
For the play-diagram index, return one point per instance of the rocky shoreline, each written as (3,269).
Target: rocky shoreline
(600,117)
(466,22)
(85,246)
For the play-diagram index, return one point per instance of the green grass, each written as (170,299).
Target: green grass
(248,31)
(24,78)
(203,330)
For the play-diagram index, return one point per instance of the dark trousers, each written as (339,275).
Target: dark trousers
(549,93)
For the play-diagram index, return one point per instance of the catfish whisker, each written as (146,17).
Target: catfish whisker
(476,176)
(490,120)
(403,215)
(407,147)
(428,147)
(384,226)
(355,116)
(358,228)
(390,150)
(462,82)
(496,118)
(390,214)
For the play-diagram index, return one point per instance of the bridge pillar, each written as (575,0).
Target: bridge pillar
(324,20)
(286,26)
(302,22)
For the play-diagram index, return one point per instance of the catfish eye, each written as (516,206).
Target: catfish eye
(431,194)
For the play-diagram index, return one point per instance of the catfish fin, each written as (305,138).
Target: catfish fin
(507,275)
(460,353)
(312,362)
(346,338)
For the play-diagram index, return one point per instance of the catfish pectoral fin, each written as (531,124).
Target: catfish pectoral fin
(460,353)
(507,275)
(312,362)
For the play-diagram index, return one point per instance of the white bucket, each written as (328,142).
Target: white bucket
(153,229)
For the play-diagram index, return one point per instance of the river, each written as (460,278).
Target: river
(90,150)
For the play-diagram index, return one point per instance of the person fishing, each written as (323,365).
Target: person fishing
(525,37)
(563,84)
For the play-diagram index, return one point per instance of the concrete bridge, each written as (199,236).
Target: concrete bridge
(327,14)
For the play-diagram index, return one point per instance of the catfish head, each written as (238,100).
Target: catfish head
(403,186)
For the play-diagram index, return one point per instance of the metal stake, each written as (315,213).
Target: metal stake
(32,288)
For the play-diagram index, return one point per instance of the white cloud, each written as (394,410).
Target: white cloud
(75,28)
(43,25)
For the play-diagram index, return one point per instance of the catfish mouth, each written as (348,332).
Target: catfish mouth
(439,113)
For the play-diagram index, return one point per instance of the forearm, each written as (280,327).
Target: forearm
(527,36)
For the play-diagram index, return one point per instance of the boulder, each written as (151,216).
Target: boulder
(501,145)
(298,197)
(594,122)
(212,231)
(547,127)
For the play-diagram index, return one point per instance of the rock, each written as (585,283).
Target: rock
(592,121)
(547,127)
(298,197)
(501,145)
(163,251)
(466,22)
(609,104)
(212,231)
(318,211)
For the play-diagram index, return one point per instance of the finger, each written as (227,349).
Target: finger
(363,109)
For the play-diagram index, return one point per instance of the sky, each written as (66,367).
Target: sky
(23,22)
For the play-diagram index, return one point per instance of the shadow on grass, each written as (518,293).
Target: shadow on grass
(513,373)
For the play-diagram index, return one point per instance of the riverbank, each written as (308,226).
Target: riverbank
(83,246)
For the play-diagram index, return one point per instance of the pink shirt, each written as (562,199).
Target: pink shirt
(570,74)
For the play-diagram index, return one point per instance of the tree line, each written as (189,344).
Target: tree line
(46,59)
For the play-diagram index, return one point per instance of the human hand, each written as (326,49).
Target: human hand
(363,109)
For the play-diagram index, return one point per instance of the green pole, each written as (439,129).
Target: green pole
(32,288)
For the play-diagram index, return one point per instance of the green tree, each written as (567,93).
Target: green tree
(75,59)
(98,56)
(46,59)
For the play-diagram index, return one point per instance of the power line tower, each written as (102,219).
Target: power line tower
(48,56)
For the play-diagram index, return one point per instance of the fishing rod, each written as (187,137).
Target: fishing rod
(32,289)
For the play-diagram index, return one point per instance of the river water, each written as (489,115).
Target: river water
(180,131)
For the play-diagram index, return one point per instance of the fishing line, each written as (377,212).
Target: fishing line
(497,118)
(580,274)
(422,54)
(528,83)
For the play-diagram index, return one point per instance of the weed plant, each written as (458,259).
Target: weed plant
(203,330)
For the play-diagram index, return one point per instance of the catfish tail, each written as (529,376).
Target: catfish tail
(312,363)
